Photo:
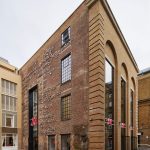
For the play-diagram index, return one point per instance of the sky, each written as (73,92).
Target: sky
(26,24)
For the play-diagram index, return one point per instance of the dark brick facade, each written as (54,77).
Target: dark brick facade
(44,70)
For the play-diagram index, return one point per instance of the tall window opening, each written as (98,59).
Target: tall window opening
(33,119)
(65,142)
(51,142)
(66,69)
(66,107)
(131,118)
(123,113)
(109,105)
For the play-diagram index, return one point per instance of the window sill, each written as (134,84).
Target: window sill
(65,45)
(66,82)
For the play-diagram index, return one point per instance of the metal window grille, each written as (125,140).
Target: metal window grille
(65,107)
(66,69)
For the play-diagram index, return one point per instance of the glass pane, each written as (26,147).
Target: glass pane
(65,142)
(66,69)
(3,102)
(8,122)
(123,111)
(3,86)
(9,140)
(7,102)
(15,89)
(11,103)
(51,142)
(15,109)
(15,121)
(3,120)
(109,107)
(65,107)
(11,88)
(7,87)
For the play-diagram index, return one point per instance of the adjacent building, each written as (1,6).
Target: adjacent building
(10,104)
(144,106)
(80,88)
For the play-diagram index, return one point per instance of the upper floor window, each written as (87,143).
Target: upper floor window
(9,120)
(66,69)
(8,88)
(65,37)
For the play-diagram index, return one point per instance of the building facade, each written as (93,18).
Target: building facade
(80,88)
(144,106)
(10,104)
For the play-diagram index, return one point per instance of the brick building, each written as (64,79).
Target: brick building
(144,106)
(83,76)
(10,104)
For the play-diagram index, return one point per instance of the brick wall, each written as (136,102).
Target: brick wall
(44,70)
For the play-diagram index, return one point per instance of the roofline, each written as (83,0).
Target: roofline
(118,30)
(52,34)
(115,24)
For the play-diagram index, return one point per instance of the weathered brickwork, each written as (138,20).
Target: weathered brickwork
(44,70)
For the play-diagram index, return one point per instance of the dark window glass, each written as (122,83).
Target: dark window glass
(109,105)
(33,117)
(51,142)
(123,113)
(65,142)
(131,108)
(65,36)
(131,118)
(65,107)
(66,69)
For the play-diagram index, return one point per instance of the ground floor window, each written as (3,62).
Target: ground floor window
(51,142)
(65,142)
(9,140)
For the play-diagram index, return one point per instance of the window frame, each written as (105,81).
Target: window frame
(49,137)
(112,97)
(63,43)
(69,79)
(63,116)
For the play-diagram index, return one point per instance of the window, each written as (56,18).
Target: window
(65,107)
(65,142)
(33,117)
(51,142)
(8,88)
(65,37)
(131,118)
(66,69)
(123,113)
(9,120)
(8,103)
(9,140)
(109,104)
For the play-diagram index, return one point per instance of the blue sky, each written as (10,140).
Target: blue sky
(27,24)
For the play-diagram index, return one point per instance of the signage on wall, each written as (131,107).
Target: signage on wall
(34,121)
